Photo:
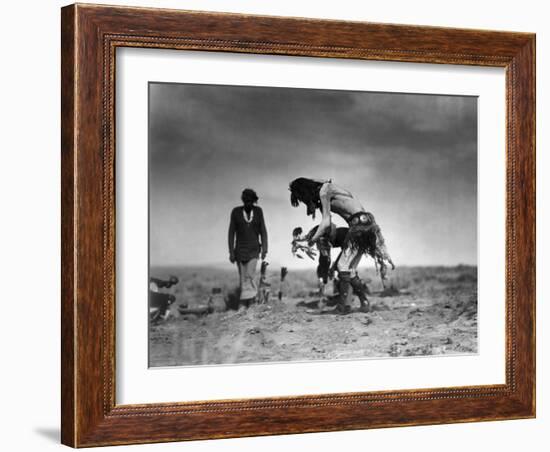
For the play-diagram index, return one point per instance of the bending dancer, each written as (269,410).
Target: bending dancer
(363,237)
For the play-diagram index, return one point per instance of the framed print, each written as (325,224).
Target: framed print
(281,225)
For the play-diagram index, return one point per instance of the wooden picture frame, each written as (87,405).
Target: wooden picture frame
(90,36)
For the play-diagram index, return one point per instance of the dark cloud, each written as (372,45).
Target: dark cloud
(406,153)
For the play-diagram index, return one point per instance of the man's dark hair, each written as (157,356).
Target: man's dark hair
(306,191)
(249,195)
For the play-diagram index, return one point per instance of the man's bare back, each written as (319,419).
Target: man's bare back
(337,200)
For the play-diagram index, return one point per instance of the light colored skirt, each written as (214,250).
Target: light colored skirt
(247,274)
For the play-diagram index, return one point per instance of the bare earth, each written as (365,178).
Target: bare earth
(426,311)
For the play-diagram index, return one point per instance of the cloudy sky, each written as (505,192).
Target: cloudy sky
(410,159)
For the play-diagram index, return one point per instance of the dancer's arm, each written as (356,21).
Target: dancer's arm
(325,194)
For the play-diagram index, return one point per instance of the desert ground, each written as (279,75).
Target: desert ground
(422,311)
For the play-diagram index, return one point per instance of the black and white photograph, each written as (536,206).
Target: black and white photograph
(292,224)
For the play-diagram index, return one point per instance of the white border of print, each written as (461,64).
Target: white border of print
(136,383)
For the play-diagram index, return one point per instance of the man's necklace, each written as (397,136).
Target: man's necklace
(246,218)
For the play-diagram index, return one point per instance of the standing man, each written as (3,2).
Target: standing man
(247,240)
(364,235)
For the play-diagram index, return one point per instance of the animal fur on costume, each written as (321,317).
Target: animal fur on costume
(365,236)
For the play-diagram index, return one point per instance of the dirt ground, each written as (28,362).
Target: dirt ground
(425,311)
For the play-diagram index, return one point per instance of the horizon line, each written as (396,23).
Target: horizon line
(276,264)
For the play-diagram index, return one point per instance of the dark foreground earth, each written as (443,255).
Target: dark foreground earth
(423,311)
